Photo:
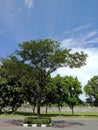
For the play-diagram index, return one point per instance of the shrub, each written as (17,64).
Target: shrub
(34,120)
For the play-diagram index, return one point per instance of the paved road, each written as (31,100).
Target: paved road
(58,124)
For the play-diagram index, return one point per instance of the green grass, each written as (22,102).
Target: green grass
(53,114)
(69,114)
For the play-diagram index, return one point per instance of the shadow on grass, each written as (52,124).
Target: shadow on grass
(70,115)
(89,115)
(25,113)
(20,113)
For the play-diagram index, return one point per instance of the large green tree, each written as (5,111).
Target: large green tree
(91,90)
(45,56)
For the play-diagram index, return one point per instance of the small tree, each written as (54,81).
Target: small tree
(53,92)
(30,95)
(91,90)
(11,92)
(48,93)
(59,94)
(72,89)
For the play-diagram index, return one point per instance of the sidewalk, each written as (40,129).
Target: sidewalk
(58,123)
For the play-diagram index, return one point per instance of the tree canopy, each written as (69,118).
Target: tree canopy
(11,91)
(73,89)
(37,59)
(45,56)
(91,90)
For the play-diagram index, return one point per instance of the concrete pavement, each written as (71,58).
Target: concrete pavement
(58,123)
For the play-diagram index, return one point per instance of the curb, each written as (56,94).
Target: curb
(36,125)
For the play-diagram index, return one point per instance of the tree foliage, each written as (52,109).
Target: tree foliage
(73,89)
(36,60)
(63,90)
(45,56)
(11,92)
(91,90)
(53,92)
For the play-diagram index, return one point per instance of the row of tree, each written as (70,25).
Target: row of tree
(25,75)
(58,90)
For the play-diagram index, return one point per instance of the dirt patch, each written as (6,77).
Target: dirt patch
(62,123)
(4,122)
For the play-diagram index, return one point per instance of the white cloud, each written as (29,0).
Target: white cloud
(86,41)
(82,37)
(75,30)
(84,73)
(12,14)
(29,3)
(91,34)
(83,42)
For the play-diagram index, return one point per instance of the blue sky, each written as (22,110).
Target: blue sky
(72,22)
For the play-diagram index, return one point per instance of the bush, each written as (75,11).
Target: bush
(32,120)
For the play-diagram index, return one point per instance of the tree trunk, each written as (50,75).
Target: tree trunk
(33,108)
(0,109)
(46,109)
(38,105)
(72,111)
(14,109)
(59,110)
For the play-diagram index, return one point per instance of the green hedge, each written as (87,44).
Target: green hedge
(34,120)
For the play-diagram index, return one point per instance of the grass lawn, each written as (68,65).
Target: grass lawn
(21,114)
